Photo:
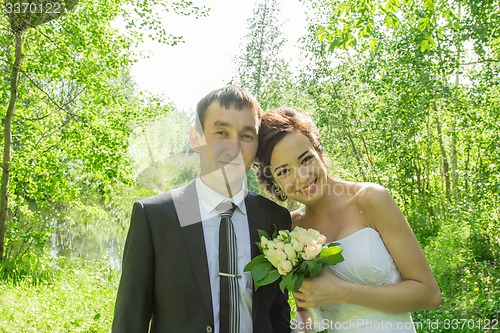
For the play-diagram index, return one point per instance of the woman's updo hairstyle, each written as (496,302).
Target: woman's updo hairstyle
(275,124)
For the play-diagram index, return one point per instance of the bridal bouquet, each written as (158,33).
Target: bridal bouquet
(292,255)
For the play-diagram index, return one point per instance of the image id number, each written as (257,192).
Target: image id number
(32,8)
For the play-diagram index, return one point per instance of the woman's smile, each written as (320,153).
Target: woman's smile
(309,189)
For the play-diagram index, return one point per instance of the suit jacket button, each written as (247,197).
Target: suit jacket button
(209,329)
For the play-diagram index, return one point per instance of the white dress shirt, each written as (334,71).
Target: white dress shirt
(208,201)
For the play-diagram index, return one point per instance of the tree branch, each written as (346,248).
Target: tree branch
(60,107)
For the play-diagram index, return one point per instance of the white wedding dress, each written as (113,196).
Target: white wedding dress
(367,262)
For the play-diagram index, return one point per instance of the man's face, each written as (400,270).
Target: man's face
(228,144)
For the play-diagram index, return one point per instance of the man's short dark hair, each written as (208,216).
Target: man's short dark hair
(228,97)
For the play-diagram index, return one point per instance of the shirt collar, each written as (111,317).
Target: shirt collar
(210,199)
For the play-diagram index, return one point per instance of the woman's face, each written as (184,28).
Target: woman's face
(298,169)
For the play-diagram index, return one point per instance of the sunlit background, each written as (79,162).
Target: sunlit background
(206,60)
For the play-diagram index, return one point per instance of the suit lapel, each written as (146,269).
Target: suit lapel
(187,207)
(256,220)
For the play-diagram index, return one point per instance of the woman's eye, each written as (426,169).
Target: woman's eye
(307,159)
(281,173)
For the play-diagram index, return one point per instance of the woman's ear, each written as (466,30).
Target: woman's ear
(195,139)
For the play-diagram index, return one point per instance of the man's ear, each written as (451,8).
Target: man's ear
(195,139)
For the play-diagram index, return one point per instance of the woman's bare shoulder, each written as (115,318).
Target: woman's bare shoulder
(372,194)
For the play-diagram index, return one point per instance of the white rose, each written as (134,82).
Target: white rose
(296,231)
(290,252)
(279,245)
(297,246)
(321,239)
(275,257)
(271,244)
(313,233)
(285,267)
(312,250)
(302,235)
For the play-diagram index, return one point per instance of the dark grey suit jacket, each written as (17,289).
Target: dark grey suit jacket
(165,285)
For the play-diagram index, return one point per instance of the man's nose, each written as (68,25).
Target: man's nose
(233,148)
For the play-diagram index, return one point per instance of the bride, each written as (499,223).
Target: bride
(385,275)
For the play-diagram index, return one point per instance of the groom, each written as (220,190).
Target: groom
(171,279)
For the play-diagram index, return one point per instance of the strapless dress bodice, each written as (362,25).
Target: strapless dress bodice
(367,262)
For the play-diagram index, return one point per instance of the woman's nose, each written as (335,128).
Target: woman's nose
(302,173)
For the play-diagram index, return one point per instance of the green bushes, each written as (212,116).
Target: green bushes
(78,297)
(463,258)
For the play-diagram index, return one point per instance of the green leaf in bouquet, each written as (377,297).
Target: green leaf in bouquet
(323,260)
(334,260)
(331,260)
(311,264)
(272,276)
(261,270)
(275,232)
(261,233)
(298,282)
(330,250)
(315,270)
(291,284)
(331,255)
(303,267)
(288,281)
(255,261)
(285,281)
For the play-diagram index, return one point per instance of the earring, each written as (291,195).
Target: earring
(278,192)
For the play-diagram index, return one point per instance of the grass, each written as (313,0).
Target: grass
(75,300)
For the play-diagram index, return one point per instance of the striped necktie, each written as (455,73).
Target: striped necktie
(228,272)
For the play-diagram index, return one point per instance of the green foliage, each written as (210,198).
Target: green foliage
(78,298)
(463,256)
(76,110)
(73,167)
(141,17)
(31,269)
(351,23)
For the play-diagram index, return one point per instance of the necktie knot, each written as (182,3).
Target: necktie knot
(226,209)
